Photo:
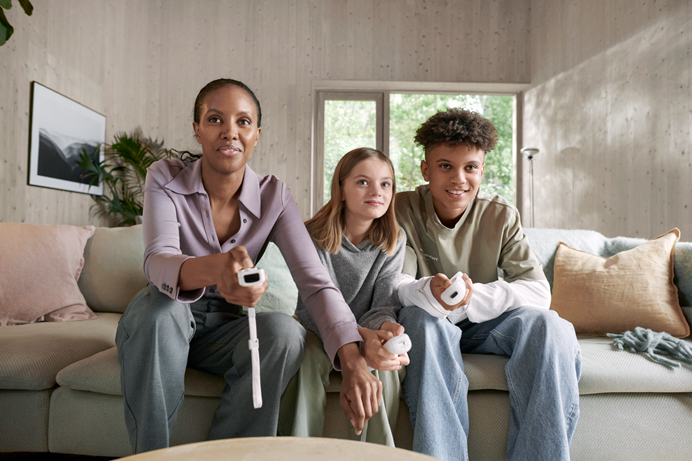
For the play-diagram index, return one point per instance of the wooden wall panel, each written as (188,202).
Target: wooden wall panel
(142,64)
(610,111)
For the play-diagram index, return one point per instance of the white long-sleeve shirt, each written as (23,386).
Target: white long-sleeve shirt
(488,301)
(487,243)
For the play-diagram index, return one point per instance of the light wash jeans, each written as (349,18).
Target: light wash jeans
(158,338)
(542,376)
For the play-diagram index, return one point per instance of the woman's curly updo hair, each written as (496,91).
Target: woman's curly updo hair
(457,126)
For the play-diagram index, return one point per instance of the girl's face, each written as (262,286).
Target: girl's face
(367,191)
(227,129)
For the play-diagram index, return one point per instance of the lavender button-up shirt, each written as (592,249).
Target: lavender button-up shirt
(178,225)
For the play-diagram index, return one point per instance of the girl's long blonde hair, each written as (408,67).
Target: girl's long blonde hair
(327,226)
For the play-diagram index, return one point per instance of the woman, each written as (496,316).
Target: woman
(203,222)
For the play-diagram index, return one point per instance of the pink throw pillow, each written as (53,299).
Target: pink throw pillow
(39,269)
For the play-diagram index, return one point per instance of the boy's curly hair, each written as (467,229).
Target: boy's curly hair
(457,126)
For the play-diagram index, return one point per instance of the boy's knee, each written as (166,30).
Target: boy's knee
(413,316)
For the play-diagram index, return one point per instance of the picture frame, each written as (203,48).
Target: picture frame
(60,129)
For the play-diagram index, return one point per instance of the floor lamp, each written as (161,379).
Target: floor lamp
(530,153)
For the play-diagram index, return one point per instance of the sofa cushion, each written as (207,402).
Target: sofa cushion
(544,244)
(633,288)
(282,294)
(32,355)
(39,269)
(113,274)
(100,373)
(605,369)
(683,263)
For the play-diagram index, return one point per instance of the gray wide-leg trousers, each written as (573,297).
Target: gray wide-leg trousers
(158,338)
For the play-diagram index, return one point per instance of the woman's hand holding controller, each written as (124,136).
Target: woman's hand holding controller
(440,283)
(229,286)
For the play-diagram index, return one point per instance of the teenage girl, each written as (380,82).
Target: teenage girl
(361,246)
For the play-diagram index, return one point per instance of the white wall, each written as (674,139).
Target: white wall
(611,111)
(141,63)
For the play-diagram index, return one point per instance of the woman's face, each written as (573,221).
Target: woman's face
(227,129)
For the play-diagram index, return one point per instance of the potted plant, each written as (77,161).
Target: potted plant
(122,174)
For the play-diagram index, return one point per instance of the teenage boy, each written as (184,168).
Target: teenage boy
(453,227)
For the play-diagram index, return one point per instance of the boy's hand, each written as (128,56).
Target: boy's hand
(439,283)
(228,285)
(393,328)
(361,392)
(376,356)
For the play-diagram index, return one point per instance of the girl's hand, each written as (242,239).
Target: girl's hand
(375,354)
(228,284)
(440,283)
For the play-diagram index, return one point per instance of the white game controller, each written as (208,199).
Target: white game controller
(399,344)
(456,291)
(250,277)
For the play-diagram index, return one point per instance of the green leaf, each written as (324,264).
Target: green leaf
(26,6)
(6,30)
(6,4)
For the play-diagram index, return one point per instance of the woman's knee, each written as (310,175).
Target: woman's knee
(150,310)
(282,331)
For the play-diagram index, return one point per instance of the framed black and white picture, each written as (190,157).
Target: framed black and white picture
(61,129)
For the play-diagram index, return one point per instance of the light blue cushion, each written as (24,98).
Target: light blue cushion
(282,294)
(544,244)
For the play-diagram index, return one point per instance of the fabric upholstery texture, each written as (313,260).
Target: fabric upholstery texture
(79,420)
(32,355)
(544,244)
(100,373)
(113,274)
(24,420)
(630,289)
(282,294)
(626,427)
(39,269)
(605,369)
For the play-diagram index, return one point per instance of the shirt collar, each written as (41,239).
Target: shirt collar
(250,192)
(189,181)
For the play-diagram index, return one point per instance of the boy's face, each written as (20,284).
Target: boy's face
(454,174)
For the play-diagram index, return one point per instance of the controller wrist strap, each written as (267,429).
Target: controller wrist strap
(253,344)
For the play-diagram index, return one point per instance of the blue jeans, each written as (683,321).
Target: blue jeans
(542,377)
(158,338)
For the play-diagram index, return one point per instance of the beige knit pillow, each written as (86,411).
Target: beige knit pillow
(633,288)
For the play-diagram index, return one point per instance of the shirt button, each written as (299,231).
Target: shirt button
(244,220)
(232,240)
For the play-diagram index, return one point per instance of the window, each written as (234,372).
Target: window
(388,120)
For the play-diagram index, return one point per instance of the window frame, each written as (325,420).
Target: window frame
(379,92)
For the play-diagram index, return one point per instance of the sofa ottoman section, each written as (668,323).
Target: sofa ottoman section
(89,404)
(30,358)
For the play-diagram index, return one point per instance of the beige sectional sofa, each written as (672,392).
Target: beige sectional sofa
(60,389)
